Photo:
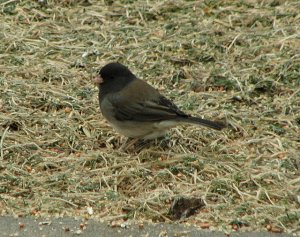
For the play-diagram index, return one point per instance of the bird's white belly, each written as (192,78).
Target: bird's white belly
(143,130)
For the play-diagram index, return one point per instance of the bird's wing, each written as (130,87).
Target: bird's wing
(143,106)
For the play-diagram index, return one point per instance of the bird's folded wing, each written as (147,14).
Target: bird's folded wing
(145,111)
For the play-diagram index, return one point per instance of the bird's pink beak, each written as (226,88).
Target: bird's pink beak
(98,80)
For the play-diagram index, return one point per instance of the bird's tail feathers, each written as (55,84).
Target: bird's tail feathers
(207,123)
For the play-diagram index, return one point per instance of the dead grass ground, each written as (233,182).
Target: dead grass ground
(233,59)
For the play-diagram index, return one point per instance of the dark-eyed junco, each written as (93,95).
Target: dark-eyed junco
(137,110)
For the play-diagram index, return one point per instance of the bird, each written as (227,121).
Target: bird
(136,109)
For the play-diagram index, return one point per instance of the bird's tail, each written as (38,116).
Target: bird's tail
(211,124)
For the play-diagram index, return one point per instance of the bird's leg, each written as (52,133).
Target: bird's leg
(141,144)
(128,143)
(163,142)
(135,144)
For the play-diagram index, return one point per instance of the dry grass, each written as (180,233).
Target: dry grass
(233,59)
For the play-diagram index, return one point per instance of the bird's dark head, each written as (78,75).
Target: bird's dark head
(115,71)
(113,77)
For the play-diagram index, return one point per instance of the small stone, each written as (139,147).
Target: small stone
(78,232)
(90,210)
(204,225)
(68,110)
(276,230)
(21,225)
(124,225)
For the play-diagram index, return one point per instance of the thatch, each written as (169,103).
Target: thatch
(238,60)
